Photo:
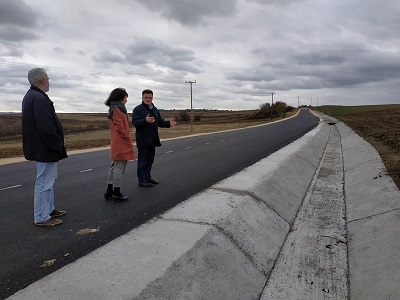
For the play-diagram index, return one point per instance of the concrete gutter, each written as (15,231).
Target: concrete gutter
(276,230)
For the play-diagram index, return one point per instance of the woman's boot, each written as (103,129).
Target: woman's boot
(109,192)
(117,195)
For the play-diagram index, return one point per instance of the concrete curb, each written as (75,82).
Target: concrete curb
(373,216)
(223,243)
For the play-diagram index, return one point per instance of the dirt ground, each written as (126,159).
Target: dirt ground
(382,130)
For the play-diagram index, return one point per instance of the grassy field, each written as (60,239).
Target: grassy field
(348,110)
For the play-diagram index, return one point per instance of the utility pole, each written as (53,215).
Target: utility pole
(298,101)
(317,102)
(311,102)
(272,98)
(191,104)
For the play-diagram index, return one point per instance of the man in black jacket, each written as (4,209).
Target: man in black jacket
(146,118)
(43,142)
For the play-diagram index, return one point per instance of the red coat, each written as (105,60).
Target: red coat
(121,140)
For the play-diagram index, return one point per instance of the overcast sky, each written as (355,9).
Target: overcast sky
(342,52)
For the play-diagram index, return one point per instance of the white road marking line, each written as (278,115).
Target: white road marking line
(169,151)
(11,187)
(88,170)
(188,148)
(207,143)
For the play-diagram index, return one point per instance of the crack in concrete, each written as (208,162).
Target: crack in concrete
(374,215)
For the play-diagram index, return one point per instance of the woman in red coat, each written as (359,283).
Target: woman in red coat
(121,149)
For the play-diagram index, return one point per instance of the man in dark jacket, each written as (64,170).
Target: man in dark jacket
(146,118)
(43,142)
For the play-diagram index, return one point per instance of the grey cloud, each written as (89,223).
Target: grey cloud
(17,12)
(59,50)
(13,33)
(319,58)
(13,81)
(191,13)
(17,20)
(17,74)
(149,51)
(254,75)
(376,20)
(11,50)
(279,84)
(280,2)
(61,77)
(368,69)
(108,57)
(350,67)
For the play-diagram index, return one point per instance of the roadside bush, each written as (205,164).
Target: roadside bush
(267,110)
(280,107)
(289,108)
(197,118)
(184,116)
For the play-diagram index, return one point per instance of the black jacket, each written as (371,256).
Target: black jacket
(42,132)
(147,133)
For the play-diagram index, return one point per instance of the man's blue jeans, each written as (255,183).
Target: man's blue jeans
(44,192)
(145,162)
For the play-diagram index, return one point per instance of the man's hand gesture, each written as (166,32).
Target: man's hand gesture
(150,119)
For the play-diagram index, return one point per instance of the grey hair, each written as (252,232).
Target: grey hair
(35,75)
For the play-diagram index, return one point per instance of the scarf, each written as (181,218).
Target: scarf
(114,105)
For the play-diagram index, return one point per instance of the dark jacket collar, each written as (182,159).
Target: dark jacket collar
(40,91)
(145,105)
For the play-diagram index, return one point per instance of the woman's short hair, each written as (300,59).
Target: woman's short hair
(35,75)
(117,94)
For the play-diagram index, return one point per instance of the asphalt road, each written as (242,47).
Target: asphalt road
(184,167)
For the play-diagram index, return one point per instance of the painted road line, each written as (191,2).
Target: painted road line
(10,187)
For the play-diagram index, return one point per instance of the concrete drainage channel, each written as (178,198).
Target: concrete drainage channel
(313,261)
(276,230)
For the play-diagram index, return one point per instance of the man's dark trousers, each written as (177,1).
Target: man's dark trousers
(145,162)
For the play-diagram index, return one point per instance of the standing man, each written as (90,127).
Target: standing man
(43,142)
(146,118)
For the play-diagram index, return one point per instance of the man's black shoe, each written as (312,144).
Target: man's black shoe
(119,197)
(145,184)
(152,181)
(57,213)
